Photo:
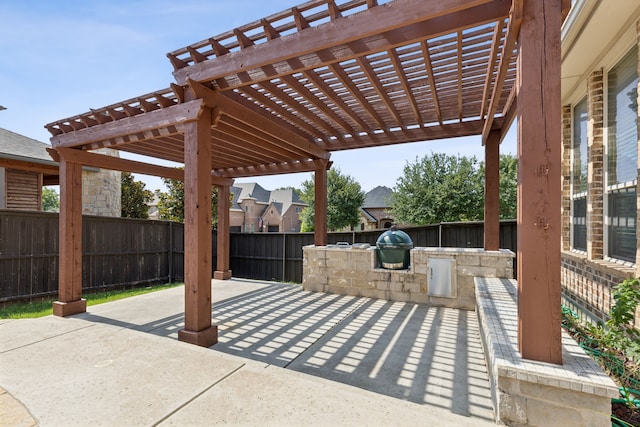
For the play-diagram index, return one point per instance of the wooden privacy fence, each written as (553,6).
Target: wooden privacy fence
(119,252)
(116,252)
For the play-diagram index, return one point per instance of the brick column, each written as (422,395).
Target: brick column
(566,177)
(595,168)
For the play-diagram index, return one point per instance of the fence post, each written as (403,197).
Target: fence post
(284,256)
(170,252)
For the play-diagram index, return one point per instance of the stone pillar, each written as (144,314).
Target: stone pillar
(102,189)
(197,233)
(539,181)
(595,165)
(70,228)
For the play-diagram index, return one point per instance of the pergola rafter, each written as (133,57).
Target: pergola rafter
(369,89)
(278,95)
(508,48)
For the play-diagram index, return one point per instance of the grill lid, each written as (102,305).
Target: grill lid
(394,239)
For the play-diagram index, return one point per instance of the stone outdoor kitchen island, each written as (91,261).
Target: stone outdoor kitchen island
(436,276)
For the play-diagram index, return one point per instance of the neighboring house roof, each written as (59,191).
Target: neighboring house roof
(278,207)
(281,199)
(235,192)
(367,216)
(379,197)
(248,190)
(286,198)
(252,190)
(14,146)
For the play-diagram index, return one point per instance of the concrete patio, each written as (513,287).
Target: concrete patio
(285,356)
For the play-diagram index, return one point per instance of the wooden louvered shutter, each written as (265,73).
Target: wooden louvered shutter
(23,190)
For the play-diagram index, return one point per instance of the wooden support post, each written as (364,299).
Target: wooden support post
(492,192)
(539,181)
(223,270)
(320,219)
(197,234)
(70,228)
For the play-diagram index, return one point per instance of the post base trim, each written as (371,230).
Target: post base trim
(204,338)
(222,275)
(64,309)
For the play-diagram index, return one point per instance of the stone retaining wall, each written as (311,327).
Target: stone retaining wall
(353,271)
(531,393)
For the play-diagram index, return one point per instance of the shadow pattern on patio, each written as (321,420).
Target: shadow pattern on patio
(426,355)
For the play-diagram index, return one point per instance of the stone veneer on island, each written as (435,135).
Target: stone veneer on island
(355,271)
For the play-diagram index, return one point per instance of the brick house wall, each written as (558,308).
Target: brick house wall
(589,277)
(236,219)
(271,218)
(587,285)
(291,219)
(252,213)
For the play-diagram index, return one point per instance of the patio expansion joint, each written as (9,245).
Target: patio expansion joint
(344,317)
(45,339)
(197,395)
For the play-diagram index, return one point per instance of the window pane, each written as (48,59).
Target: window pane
(622,120)
(621,223)
(579,167)
(579,223)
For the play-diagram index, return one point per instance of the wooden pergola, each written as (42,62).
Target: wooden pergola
(280,94)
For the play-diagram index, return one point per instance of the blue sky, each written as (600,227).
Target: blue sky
(61,58)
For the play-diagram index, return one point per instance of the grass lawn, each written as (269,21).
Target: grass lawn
(44,307)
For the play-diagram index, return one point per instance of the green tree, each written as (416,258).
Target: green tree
(439,188)
(134,197)
(171,203)
(344,199)
(50,200)
(508,186)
